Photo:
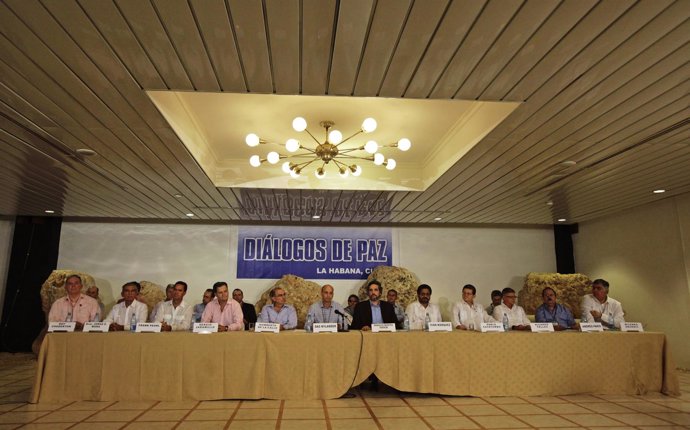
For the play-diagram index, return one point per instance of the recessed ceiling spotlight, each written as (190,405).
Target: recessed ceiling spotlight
(562,220)
(316,216)
(568,163)
(438,218)
(85,152)
(190,214)
(549,203)
(178,196)
(48,211)
(659,191)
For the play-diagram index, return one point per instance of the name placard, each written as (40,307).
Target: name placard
(541,327)
(264,327)
(632,326)
(379,328)
(492,327)
(205,328)
(440,326)
(148,328)
(325,328)
(101,327)
(591,327)
(63,326)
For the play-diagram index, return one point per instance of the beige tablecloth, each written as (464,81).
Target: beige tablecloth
(296,365)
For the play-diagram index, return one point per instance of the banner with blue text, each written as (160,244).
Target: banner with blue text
(311,252)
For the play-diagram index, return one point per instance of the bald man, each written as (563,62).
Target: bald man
(324,311)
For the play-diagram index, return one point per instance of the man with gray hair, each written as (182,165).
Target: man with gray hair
(279,312)
(599,307)
(326,310)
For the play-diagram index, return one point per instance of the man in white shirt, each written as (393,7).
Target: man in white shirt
(599,307)
(418,310)
(120,316)
(468,315)
(168,297)
(176,314)
(517,318)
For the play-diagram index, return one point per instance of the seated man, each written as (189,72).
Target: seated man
(120,316)
(199,309)
(496,297)
(517,318)
(279,312)
(248,309)
(392,298)
(228,314)
(553,312)
(176,314)
(418,310)
(599,307)
(168,297)
(352,301)
(75,306)
(373,311)
(93,293)
(324,311)
(468,315)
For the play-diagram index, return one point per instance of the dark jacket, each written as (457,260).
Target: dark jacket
(362,315)
(249,314)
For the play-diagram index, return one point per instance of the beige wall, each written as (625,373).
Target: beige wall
(645,254)
(6,236)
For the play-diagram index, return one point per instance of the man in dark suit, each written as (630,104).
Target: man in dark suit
(373,310)
(247,308)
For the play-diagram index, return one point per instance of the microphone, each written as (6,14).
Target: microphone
(342,318)
(337,312)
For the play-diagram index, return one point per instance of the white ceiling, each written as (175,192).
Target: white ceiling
(604,84)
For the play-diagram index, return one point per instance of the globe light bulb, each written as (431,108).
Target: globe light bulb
(379,159)
(299,124)
(294,173)
(356,170)
(319,173)
(371,147)
(252,140)
(369,125)
(390,164)
(335,137)
(273,157)
(292,145)
(404,144)
(344,172)
(286,167)
(255,160)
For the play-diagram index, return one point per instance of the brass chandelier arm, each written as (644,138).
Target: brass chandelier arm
(312,136)
(356,157)
(348,138)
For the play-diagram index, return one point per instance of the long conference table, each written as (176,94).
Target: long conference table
(298,365)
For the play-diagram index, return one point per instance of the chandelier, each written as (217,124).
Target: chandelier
(327,152)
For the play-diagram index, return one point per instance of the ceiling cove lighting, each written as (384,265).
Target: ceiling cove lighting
(322,153)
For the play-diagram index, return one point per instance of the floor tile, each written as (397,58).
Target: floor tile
(65,417)
(545,399)
(163,415)
(437,411)
(345,403)
(86,406)
(393,412)
(218,404)
(303,414)
(645,407)
(138,405)
(676,418)
(592,420)
(425,401)
(176,405)
(465,401)
(114,416)
(39,407)
(443,423)
(545,421)
(260,404)
(499,422)
(672,427)
(253,425)
(523,409)
(580,398)
(638,419)
(605,408)
(354,424)
(505,400)
(476,410)
(97,426)
(679,406)
(339,413)
(210,415)
(303,404)
(151,425)
(385,402)
(9,426)
(46,426)
(202,425)
(303,425)
(20,417)
(402,424)
(10,406)
(566,408)
(258,414)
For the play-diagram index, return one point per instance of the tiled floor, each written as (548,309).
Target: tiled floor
(386,409)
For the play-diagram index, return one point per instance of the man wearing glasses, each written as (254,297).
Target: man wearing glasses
(279,312)
(517,318)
